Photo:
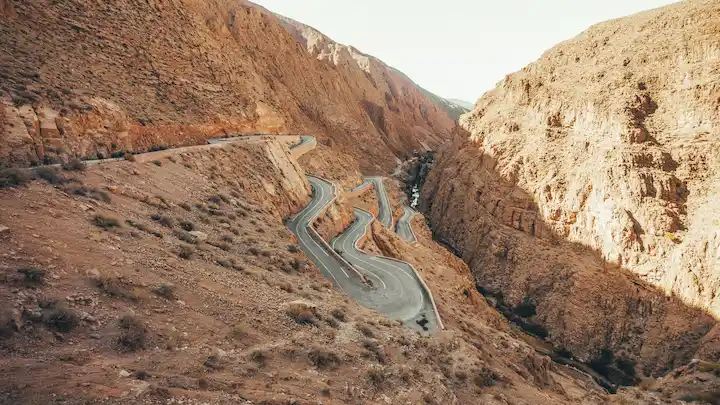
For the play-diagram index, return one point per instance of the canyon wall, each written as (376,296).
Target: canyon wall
(588,181)
(83,79)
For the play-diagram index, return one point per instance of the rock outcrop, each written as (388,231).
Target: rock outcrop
(588,181)
(93,80)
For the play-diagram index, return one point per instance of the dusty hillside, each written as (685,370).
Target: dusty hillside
(598,160)
(175,281)
(95,78)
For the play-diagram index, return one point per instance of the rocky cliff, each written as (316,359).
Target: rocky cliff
(96,79)
(587,184)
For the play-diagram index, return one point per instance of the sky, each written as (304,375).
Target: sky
(455,48)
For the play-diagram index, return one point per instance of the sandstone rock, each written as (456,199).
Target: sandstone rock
(4,229)
(125,373)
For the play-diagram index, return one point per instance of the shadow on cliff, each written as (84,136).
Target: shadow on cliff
(563,292)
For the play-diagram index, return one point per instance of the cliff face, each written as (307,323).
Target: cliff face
(589,182)
(87,79)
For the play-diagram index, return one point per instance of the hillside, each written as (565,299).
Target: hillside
(587,183)
(89,79)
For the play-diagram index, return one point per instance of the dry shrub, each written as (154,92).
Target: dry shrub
(75,165)
(339,314)
(166,291)
(11,178)
(32,276)
(323,359)
(186,252)
(60,318)
(365,329)
(259,357)
(133,334)
(106,222)
(301,315)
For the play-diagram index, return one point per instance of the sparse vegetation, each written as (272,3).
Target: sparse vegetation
(106,222)
(186,252)
(133,334)
(186,237)
(50,174)
(157,163)
(301,315)
(259,357)
(365,329)
(163,220)
(32,275)
(323,359)
(185,206)
(75,165)
(187,225)
(166,291)
(11,178)
(339,314)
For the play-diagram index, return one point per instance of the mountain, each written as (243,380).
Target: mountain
(587,183)
(175,73)
(462,103)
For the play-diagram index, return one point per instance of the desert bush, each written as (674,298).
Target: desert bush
(60,318)
(323,359)
(50,174)
(133,334)
(113,287)
(259,357)
(375,351)
(186,252)
(165,290)
(228,238)
(186,237)
(376,376)
(220,245)
(285,286)
(303,316)
(106,222)
(157,163)
(163,220)
(484,377)
(75,165)
(293,248)
(339,314)
(365,329)
(32,275)
(254,251)
(11,178)
(187,225)
(185,206)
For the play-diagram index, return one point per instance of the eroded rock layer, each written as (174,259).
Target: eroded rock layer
(587,182)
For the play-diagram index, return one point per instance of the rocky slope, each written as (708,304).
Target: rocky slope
(587,184)
(175,281)
(96,79)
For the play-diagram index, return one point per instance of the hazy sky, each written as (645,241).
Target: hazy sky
(455,48)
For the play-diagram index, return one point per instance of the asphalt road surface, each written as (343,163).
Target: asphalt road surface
(398,292)
(403,227)
(385,213)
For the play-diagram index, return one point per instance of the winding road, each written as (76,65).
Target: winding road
(385,212)
(403,227)
(391,287)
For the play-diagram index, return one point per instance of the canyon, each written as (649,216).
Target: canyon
(152,183)
(585,184)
